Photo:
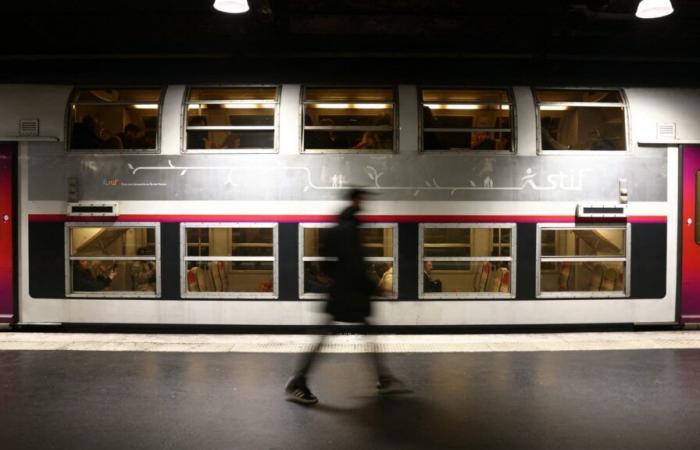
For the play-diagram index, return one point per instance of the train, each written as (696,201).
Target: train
(207,205)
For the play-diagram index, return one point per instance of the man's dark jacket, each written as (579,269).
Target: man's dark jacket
(349,297)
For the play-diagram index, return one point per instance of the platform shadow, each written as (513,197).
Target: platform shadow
(409,421)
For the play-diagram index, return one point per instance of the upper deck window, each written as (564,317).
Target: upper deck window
(581,119)
(114,119)
(466,119)
(349,119)
(231,118)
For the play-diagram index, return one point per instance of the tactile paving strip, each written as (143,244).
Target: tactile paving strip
(351,343)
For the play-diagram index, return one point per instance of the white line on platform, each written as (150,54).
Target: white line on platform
(250,343)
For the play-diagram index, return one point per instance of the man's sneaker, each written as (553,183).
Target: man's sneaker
(391,385)
(299,393)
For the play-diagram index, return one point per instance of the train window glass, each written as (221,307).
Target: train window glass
(114,119)
(379,244)
(349,119)
(577,119)
(583,261)
(466,119)
(106,260)
(467,261)
(229,260)
(231,119)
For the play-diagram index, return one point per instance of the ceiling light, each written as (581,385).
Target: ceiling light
(146,106)
(651,9)
(452,106)
(553,108)
(231,6)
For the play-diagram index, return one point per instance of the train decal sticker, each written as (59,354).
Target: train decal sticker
(564,181)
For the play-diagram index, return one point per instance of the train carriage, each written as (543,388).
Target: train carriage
(207,205)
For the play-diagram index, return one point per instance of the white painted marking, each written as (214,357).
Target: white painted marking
(196,343)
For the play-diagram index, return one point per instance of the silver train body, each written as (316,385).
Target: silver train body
(527,191)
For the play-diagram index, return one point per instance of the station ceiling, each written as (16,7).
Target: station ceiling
(485,41)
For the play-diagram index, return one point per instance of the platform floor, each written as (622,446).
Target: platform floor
(605,399)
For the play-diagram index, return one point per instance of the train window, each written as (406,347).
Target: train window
(349,119)
(114,119)
(229,260)
(231,119)
(467,261)
(583,261)
(380,246)
(576,119)
(107,260)
(466,119)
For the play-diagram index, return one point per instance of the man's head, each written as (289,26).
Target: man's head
(357,196)
(428,266)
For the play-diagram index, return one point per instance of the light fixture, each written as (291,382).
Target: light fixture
(231,6)
(553,108)
(146,106)
(452,106)
(652,9)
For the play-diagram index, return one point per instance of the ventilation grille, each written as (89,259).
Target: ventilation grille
(666,131)
(29,127)
(93,209)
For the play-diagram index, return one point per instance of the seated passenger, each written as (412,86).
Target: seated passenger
(599,142)
(386,283)
(429,283)
(132,136)
(315,280)
(231,141)
(548,128)
(86,134)
(484,142)
(198,139)
(143,273)
(329,140)
(370,140)
(85,280)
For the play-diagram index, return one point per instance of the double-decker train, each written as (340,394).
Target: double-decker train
(207,205)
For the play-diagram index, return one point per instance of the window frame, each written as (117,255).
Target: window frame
(111,294)
(275,127)
(382,151)
(513,119)
(468,295)
(564,295)
(394,259)
(111,151)
(184,259)
(538,118)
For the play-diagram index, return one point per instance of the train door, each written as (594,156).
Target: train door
(7,251)
(690,236)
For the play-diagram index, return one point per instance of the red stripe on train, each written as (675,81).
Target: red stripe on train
(294,218)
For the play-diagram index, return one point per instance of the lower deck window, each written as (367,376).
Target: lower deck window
(379,244)
(229,260)
(467,260)
(583,261)
(106,260)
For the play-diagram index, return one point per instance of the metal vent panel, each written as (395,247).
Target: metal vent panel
(666,130)
(29,127)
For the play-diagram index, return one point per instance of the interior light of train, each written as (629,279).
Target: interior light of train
(351,106)
(454,106)
(196,106)
(248,105)
(231,6)
(652,9)
(553,108)
(146,106)
(505,107)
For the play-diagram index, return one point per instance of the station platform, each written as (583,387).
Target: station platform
(139,391)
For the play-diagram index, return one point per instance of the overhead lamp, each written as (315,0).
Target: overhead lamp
(652,9)
(231,6)
(146,106)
